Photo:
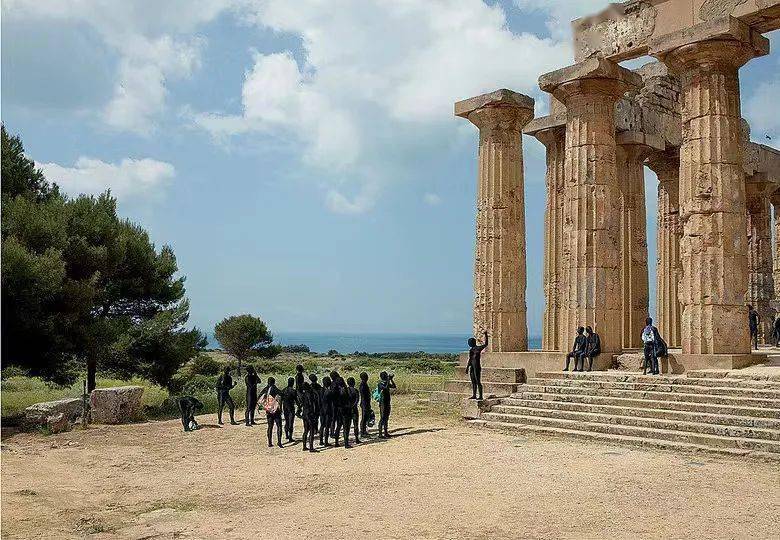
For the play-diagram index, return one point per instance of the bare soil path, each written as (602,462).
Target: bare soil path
(436,479)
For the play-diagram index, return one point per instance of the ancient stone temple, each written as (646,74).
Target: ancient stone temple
(718,193)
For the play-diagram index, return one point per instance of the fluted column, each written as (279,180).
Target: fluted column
(500,267)
(761,281)
(552,336)
(775,200)
(668,265)
(592,194)
(631,153)
(712,190)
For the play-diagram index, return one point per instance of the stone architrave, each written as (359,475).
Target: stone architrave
(589,90)
(775,200)
(712,182)
(632,150)
(761,286)
(669,266)
(499,267)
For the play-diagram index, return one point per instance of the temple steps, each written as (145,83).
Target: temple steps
(488,388)
(494,375)
(725,414)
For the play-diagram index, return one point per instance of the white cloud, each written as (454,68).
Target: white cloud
(432,199)
(128,178)
(375,82)
(360,203)
(151,39)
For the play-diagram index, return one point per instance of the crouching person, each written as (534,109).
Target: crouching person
(188,405)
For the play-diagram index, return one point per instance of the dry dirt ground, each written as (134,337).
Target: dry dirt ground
(437,478)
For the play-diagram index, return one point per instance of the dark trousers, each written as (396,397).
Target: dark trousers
(476,380)
(364,415)
(187,416)
(251,405)
(575,355)
(289,423)
(384,418)
(585,356)
(651,360)
(274,419)
(754,336)
(309,429)
(223,398)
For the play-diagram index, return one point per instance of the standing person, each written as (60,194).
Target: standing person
(577,349)
(273,412)
(474,366)
(650,339)
(366,414)
(592,348)
(224,385)
(310,410)
(290,401)
(753,320)
(386,383)
(299,379)
(354,400)
(317,389)
(251,380)
(326,410)
(777,331)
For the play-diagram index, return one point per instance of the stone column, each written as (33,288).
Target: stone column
(761,281)
(775,200)
(712,184)
(499,267)
(668,266)
(632,150)
(554,141)
(590,90)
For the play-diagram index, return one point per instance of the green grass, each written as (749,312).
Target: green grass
(412,376)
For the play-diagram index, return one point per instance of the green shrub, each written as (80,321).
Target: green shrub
(296,349)
(12,371)
(205,364)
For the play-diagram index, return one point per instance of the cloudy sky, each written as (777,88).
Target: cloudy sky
(300,156)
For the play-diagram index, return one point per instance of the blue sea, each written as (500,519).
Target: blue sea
(377,343)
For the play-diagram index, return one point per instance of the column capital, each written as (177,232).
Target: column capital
(595,76)
(502,108)
(723,44)
(666,165)
(639,146)
(547,129)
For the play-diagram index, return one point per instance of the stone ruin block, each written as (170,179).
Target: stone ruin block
(56,416)
(117,405)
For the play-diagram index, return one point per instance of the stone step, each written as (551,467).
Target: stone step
(734,374)
(629,419)
(637,402)
(644,412)
(700,439)
(494,374)
(769,404)
(633,376)
(662,386)
(488,388)
(623,440)
(455,398)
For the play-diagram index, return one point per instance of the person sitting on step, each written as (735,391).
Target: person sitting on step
(592,349)
(577,349)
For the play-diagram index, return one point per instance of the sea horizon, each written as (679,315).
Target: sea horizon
(378,342)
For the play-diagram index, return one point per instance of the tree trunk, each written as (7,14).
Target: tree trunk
(91,373)
(239,366)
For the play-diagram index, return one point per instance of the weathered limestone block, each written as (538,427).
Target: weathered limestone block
(761,284)
(56,416)
(500,269)
(712,183)
(592,194)
(669,265)
(116,405)
(775,200)
(632,150)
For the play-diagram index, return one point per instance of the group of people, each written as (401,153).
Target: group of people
(753,320)
(329,409)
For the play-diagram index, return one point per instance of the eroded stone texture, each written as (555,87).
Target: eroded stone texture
(668,265)
(761,285)
(632,150)
(617,30)
(589,91)
(500,268)
(775,201)
(712,187)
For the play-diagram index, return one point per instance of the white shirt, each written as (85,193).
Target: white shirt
(647,335)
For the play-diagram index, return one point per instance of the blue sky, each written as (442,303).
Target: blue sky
(300,157)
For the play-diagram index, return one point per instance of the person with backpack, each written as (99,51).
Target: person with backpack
(270,396)
(251,380)
(367,415)
(224,385)
(649,337)
(386,383)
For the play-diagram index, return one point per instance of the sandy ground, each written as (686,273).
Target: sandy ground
(437,478)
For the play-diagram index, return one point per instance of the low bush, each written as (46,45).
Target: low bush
(205,364)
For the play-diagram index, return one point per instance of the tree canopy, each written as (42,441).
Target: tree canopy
(80,284)
(242,336)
